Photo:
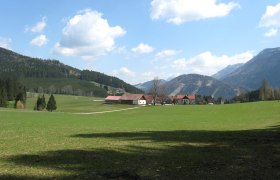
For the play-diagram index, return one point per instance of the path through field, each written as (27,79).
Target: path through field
(102,112)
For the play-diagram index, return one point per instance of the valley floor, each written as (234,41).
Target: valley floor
(238,141)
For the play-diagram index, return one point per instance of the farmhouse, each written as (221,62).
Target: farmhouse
(137,99)
(185,99)
(149,99)
(113,100)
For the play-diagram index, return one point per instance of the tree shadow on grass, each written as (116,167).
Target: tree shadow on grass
(253,154)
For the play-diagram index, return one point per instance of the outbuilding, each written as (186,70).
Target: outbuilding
(113,99)
(136,99)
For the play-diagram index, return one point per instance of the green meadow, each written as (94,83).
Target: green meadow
(237,141)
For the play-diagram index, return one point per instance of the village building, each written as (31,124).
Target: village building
(113,100)
(136,99)
(149,99)
(142,99)
(184,99)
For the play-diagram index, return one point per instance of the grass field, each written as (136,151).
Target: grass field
(74,104)
(238,141)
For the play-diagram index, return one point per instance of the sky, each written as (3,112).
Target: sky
(140,40)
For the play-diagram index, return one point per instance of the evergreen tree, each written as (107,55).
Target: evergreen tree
(41,103)
(51,106)
(3,98)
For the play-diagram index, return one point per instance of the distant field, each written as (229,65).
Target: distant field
(75,104)
(238,141)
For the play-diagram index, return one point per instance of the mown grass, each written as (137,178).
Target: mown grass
(239,141)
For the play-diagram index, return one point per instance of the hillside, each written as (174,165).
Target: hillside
(202,85)
(226,71)
(53,76)
(146,86)
(265,65)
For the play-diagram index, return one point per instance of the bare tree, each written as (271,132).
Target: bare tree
(265,91)
(155,89)
(162,93)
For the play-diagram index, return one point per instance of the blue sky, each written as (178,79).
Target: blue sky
(139,40)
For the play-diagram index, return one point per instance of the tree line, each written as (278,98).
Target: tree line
(264,93)
(12,90)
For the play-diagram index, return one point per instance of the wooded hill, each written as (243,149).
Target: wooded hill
(51,76)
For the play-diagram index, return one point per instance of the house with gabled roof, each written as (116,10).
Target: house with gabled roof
(136,99)
(184,99)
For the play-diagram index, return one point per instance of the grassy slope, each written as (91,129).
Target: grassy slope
(170,142)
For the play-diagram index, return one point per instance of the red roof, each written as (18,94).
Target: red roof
(149,97)
(132,97)
(181,96)
(191,97)
(113,98)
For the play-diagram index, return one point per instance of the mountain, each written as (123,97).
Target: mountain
(266,65)
(146,86)
(226,71)
(202,85)
(51,76)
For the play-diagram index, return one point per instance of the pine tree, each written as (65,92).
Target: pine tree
(51,106)
(3,98)
(41,103)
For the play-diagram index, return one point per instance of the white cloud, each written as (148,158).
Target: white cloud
(123,71)
(143,49)
(39,40)
(87,34)
(5,42)
(271,33)
(39,27)
(271,18)
(208,64)
(166,53)
(180,11)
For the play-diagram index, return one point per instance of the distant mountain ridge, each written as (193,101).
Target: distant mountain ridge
(226,71)
(202,85)
(51,74)
(266,65)
(146,86)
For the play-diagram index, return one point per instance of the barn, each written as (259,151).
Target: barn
(113,99)
(136,99)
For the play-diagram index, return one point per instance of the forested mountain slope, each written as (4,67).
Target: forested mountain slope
(53,76)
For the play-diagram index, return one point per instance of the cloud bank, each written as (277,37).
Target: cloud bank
(207,64)
(180,11)
(271,20)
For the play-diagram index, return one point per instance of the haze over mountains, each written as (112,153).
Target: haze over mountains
(232,80)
